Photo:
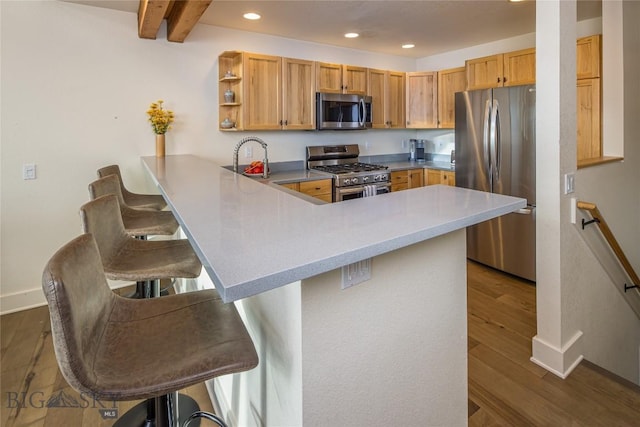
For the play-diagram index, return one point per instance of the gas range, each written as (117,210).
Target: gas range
(351,178)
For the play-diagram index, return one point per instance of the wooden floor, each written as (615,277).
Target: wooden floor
(505,388)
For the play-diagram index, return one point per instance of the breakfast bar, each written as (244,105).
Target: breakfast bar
(388,351)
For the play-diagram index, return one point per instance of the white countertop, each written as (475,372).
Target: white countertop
(252,237)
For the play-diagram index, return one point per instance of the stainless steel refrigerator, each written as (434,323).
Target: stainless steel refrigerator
(496,152)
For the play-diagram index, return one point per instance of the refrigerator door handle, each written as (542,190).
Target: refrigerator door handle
(486,142)
(525,211)
(496,155)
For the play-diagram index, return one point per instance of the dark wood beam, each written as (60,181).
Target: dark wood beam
(183,17)
(150,16)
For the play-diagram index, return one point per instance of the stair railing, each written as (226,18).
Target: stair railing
(598,219)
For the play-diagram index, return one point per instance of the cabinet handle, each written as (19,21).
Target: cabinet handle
(280,122)
(504,79)
(286,122)
(498,79)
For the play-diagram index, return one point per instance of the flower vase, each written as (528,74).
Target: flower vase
(160,145)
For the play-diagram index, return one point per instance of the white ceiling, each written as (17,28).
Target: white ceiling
(434,26)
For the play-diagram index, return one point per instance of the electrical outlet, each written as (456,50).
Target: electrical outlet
(29,171)
(248,152)
(356,273)
(569,183)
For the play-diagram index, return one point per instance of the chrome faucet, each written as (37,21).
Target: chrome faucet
(265,161)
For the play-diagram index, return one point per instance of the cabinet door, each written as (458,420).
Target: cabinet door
(395,100)
(588,57)
(422,105)
(483,73)
(328,77)
(320,189)
(433,176)
(354,80)
(262,105)
(415,178)
(588,119)
(519,67)
(449,82)
(399,180)
(298,94)
(379,101)
(448,178)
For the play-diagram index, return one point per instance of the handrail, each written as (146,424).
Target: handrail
(608,235)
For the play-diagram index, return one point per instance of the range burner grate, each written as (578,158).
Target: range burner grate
(350,168)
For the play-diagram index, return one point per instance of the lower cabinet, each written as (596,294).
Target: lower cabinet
(320,189)
(406,179)
(436,176)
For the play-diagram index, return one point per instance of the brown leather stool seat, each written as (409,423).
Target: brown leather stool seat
(134,200)
(137,222)
(102,341)
(124,258)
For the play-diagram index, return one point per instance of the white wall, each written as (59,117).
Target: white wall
(76,83)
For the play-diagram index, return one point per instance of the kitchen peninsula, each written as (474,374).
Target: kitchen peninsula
(388,351)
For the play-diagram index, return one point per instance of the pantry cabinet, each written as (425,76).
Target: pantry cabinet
(588,119)
(338,78)
(422,100)
(449,82)
(387,91)
(437,176)
(406,179)
(589,56)
(501,70)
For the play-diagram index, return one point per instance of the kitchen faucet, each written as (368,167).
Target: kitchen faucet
(265,172)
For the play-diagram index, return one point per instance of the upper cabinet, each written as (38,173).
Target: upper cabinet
(338,78)
(262,92)
(387,91)
(262,107)
(422,100)
(449,82)
(505,69)
(589,57)
(298,94)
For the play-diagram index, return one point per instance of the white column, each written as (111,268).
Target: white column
(556,346)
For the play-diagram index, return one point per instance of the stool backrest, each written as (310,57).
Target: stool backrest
(110,184)
(80,302)
(113,170)
(101,217)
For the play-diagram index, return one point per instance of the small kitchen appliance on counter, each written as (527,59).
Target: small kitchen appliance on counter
(420,154)
(351,178)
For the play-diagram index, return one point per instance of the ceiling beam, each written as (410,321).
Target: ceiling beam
(183,17)
(150,16)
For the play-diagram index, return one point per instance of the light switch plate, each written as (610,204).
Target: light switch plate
(569,183)
(356,273)
(29,171)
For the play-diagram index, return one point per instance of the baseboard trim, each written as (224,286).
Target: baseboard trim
(559,361)
(32,298)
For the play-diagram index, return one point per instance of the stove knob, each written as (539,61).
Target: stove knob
(365,178)
(377,178)
(346,181)
(354,180)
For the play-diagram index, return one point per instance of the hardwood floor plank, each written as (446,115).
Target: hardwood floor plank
(504,315)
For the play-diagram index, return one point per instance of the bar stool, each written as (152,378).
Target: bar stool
(134,200)
(137,222)
(102,341)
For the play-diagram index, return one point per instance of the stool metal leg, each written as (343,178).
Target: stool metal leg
(207,416)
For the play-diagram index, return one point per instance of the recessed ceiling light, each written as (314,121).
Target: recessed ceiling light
(251,16)
(351,35)
(408,46)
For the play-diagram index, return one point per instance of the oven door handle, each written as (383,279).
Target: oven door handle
(360,188)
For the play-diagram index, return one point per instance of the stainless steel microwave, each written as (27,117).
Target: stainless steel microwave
(339,111)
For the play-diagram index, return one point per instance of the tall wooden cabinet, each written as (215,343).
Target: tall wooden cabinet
(338,78)
(449,82)
(387,91)
(505,69)
(588,98)
(422,100)
(262,107)
(298,94)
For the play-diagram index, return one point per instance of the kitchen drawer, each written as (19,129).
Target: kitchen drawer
(316,188)
(399,177)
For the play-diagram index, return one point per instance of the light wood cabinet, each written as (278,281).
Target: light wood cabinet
(387,92)
(338,78)
(422,100)
(320,189)
(449,82)
(298,94)
(262,107)
(406,179)
(436,176)
(588,119)
(589,56)
(270,92)
(505,69)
